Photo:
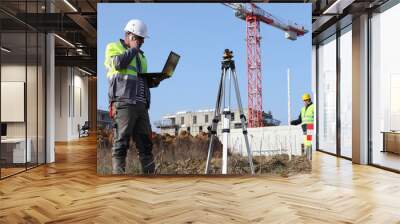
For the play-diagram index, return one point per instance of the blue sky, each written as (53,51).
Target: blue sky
(200,32)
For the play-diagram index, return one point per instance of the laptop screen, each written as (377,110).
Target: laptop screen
(171,63)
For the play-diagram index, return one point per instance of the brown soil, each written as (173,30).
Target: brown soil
(187,154)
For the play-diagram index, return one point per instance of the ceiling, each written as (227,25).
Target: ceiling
(330,15)
(76,22)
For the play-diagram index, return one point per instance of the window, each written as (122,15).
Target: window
(232,116)
(335,94)
(194,119)
(176,131)
(182,120)
(327,95)
(385,87)
(22,73)
(346,92)
(201,128)
(238,125)
(206,118)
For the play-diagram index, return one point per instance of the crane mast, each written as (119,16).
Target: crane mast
(253,14)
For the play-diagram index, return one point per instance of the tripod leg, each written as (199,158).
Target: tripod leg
(215,121)
(249,152)
(210,152)
(243,120)
(225,120)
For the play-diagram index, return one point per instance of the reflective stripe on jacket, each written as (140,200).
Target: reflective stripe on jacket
(307,118)
(307,114)
(123,82)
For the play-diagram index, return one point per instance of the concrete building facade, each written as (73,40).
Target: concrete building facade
(195,122)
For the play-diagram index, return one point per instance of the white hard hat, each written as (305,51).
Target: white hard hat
(136,27)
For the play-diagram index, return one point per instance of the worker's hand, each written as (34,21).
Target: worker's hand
(133,44)
(156,81)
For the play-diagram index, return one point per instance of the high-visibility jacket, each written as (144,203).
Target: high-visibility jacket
(307,118)
(307,114)
(123,83)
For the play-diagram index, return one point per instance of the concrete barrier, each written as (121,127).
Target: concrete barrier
(267,140)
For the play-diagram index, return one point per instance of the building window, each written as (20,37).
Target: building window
(173,121)
(327,95)
(194,119)
(182,120)
(206,118)
(188,130)
(232,116)
(385,89)
(346,93)
(23,85)
(201,128)
(238,125)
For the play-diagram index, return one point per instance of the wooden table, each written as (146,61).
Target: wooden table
(391,141)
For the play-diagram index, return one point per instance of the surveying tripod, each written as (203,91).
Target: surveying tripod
(228,72)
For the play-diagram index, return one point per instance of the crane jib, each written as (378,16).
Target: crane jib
(253,15)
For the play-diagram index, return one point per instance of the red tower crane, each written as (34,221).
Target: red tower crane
(253,14)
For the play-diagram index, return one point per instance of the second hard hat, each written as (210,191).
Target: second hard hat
(136,27)
(306,96)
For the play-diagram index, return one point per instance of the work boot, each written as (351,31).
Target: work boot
(118,165)
(145,146)
(148,166)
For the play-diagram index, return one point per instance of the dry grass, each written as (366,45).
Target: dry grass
(186,154)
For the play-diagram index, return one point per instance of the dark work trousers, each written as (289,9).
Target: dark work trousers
(132,120)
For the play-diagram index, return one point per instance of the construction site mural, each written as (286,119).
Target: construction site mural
(150,68)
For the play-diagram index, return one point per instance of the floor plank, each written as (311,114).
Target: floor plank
(69,191)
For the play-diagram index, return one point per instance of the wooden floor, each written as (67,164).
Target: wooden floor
(10,171)
(69,191)
(387,159)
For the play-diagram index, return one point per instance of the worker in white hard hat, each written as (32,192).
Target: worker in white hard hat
(129,97)
(306,119)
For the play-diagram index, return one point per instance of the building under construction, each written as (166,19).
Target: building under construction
(195,122)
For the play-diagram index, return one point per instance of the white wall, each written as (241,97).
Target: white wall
(81,112)
(267,140)
(33,126)
(71,102)
(61,103)
(12,73)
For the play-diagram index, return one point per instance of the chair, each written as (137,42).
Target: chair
(84,130)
